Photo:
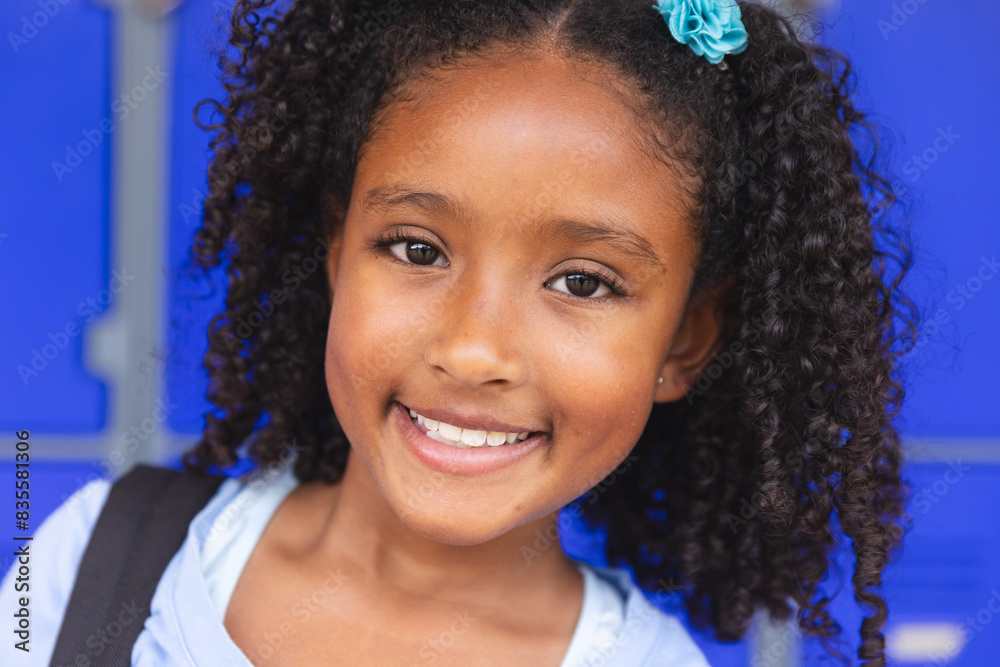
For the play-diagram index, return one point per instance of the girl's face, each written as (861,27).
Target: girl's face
(513,200)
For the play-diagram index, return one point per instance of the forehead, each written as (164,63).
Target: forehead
(531,132)
(514,100)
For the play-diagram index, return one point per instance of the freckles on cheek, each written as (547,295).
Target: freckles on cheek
(609,425)
(605,405)
(368,337)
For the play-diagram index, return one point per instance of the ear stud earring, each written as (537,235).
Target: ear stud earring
(660,381)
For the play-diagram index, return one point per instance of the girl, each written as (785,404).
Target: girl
(491,260)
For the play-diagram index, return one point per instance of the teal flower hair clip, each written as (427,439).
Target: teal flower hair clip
(711,28)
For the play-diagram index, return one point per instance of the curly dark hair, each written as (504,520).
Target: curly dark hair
(785,436)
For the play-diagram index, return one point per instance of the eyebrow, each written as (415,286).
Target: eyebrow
(627,242)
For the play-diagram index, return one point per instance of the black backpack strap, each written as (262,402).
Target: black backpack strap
(142,525)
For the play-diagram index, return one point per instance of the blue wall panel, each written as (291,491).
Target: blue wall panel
(931,71)
(949,566)
(193,300)
(55,178)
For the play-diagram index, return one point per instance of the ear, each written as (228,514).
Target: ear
(704,329)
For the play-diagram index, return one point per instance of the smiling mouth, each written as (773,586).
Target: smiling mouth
(464,438)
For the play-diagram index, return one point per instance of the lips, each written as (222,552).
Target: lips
(461,460)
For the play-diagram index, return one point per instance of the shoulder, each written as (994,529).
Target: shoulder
(53,556)
(69,527)
(649,636)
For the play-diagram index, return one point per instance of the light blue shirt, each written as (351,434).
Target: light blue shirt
(618,626)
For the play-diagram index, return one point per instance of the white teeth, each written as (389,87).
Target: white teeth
(449,431)
(465,438)
(474,438)
(435,435)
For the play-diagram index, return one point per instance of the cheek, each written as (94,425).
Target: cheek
(374,336)
(606,418)
(599,374)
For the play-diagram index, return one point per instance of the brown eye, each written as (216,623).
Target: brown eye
(589,286)
(580,284)
(421,253)
(409,250)
(413,251)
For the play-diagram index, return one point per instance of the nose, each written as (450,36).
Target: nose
(476,336)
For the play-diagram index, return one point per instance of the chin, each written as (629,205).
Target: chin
(439,521)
